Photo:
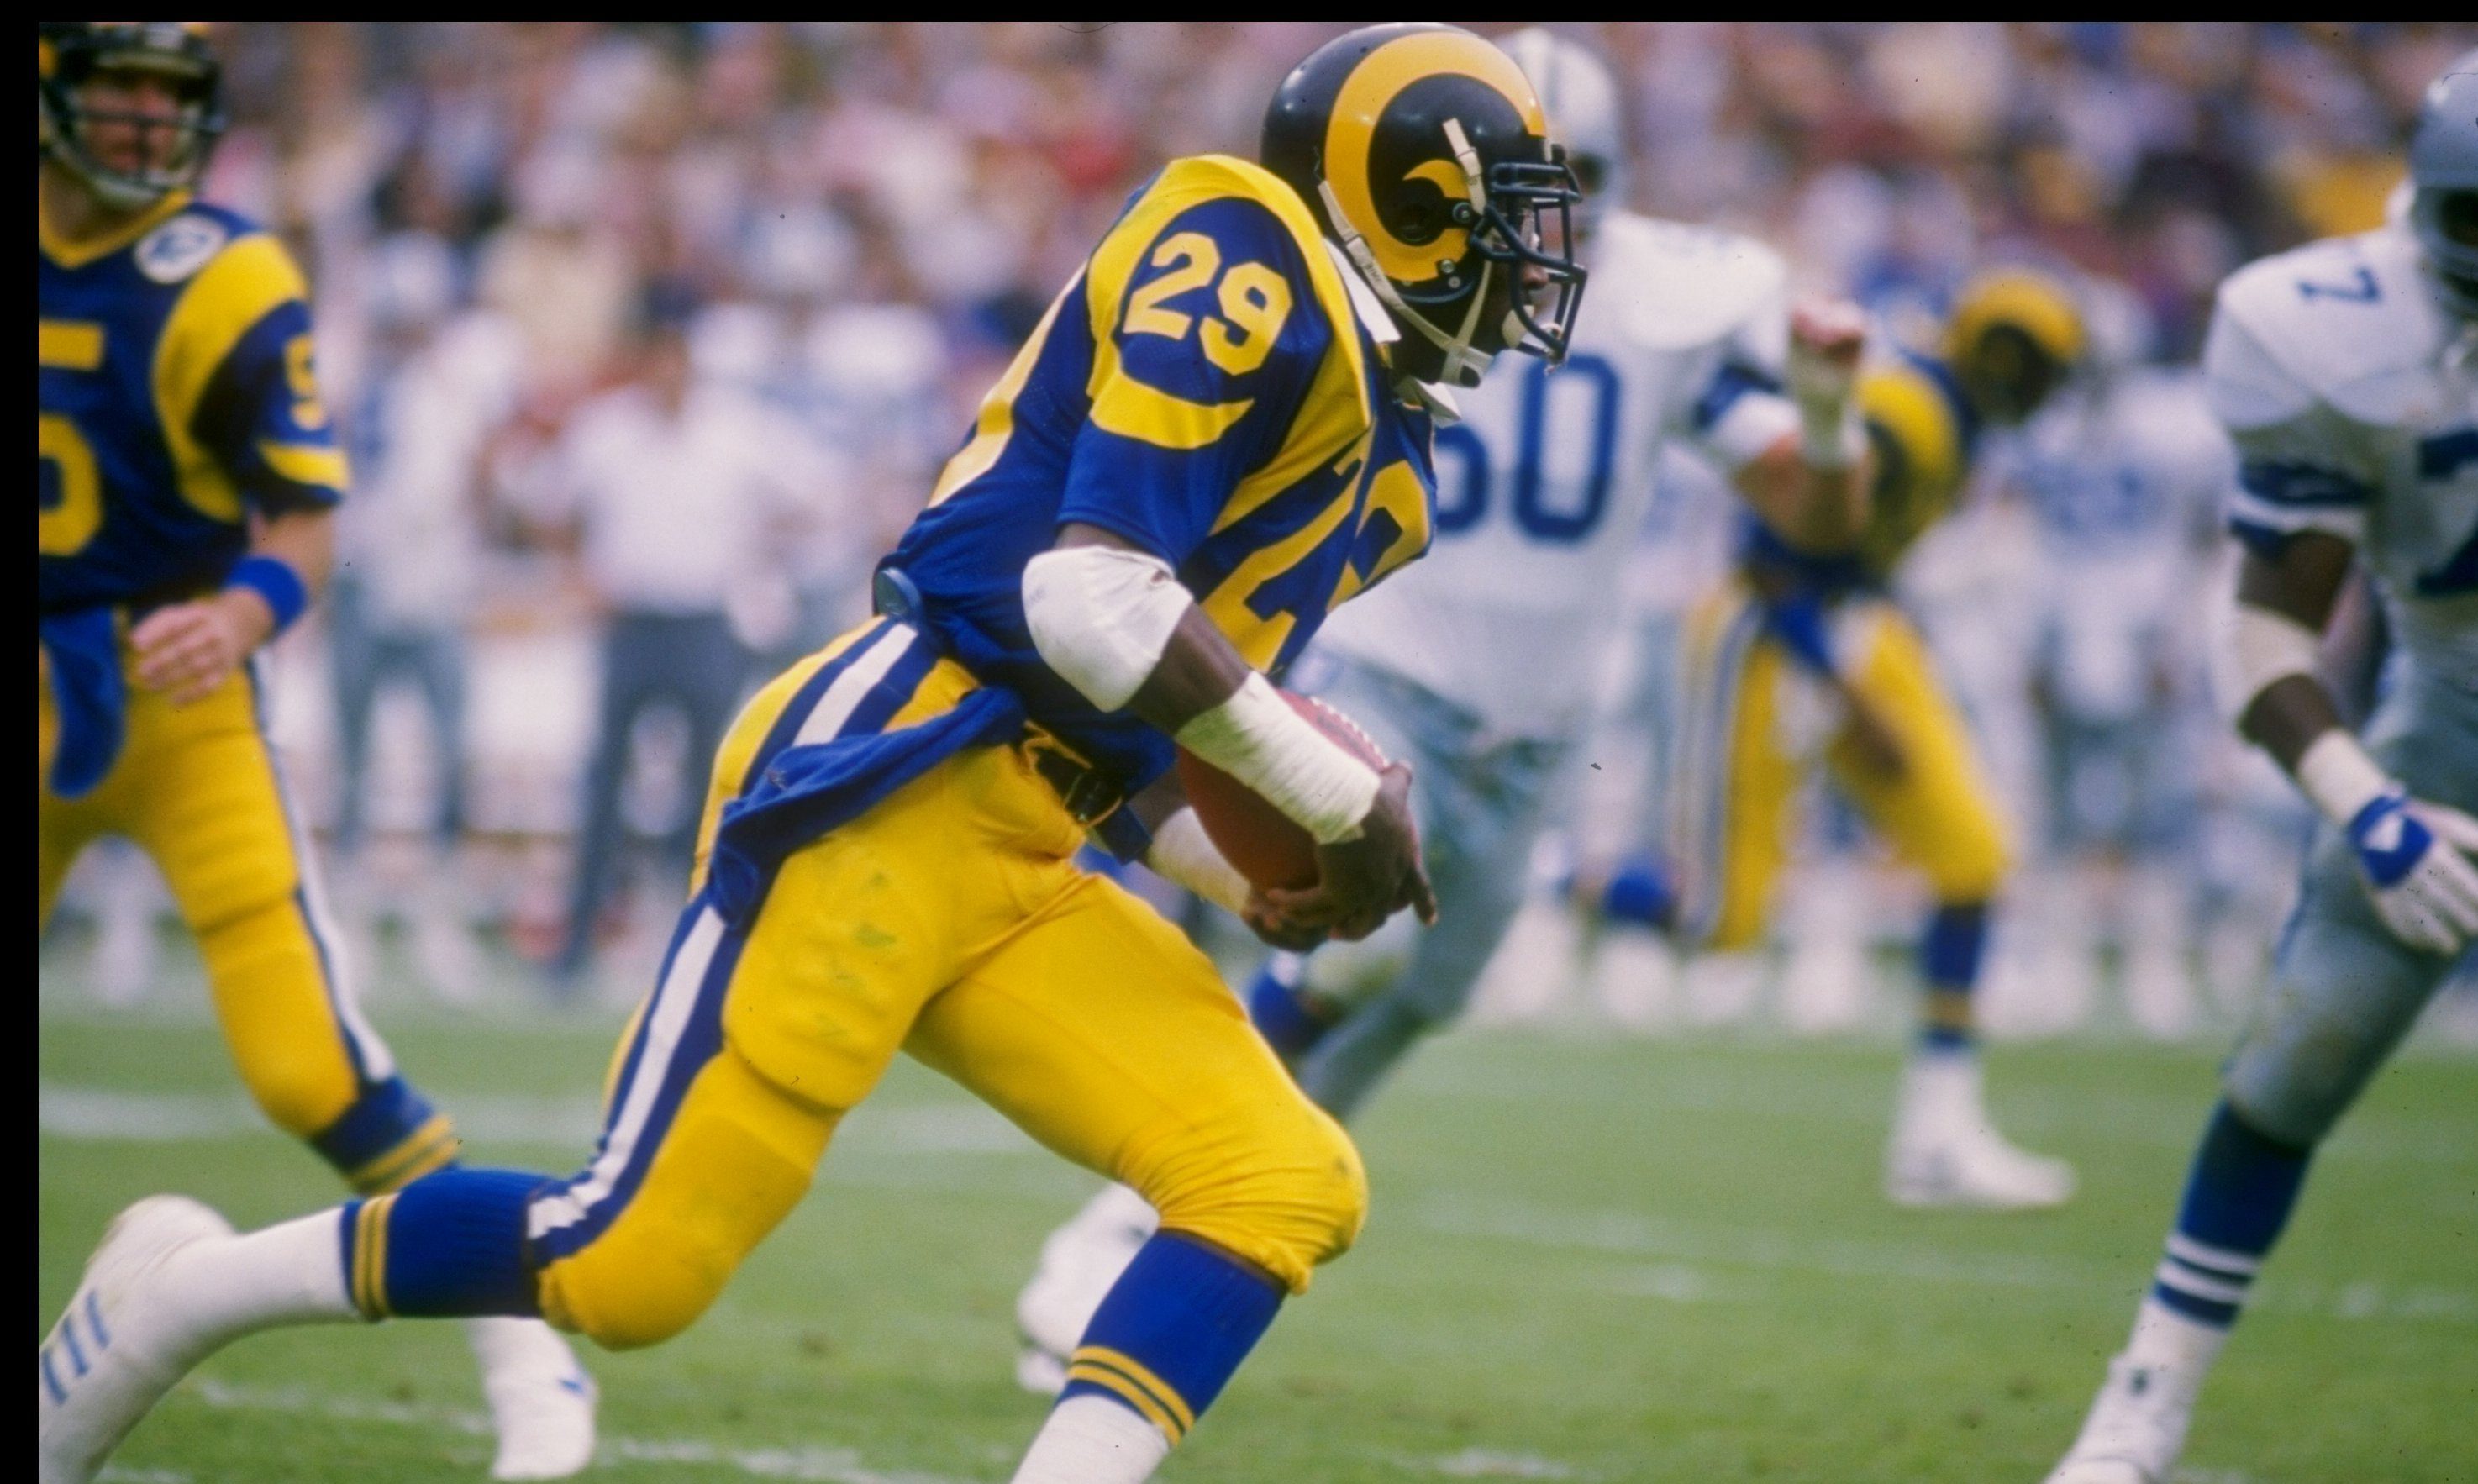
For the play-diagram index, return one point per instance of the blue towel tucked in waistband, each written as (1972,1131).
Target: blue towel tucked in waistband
(809,790)
(83,647)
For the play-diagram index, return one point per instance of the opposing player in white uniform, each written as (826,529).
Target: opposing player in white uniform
(1479,667)
(2125,472)
(2347,371)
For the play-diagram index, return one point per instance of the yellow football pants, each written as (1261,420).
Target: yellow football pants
(195,787)
(950,922)
(1755,727)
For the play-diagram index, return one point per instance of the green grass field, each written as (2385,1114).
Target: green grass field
(1590,1258)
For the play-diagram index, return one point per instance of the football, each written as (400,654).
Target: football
(1268,850)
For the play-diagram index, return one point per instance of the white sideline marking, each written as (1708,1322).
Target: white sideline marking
(114,1474)
(1716,1246)
(818,1465)
(1474,1463)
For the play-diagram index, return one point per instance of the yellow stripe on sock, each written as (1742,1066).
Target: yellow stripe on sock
(369,1257)
(1131,1393)
(1949,1010)
(1135,1371)
(431,1147)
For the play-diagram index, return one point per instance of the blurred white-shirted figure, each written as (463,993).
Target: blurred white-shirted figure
(1479,667)
(2124,474)
(675,485)
(410,547)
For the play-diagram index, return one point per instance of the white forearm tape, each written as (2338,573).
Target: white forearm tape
(2257,648)
(1257,738)
(1830,440)
(1101,617)
(1182,853)
(2335,772)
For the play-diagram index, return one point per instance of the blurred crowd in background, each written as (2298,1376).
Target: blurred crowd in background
(650,338)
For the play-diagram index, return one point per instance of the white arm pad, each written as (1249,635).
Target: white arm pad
(2257,647)
(1257,738)
(1182,853)
(1101,617)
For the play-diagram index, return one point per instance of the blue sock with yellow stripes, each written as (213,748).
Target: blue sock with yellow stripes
(388,1138)
(2238,1199)
(449,1246)
(1171,1331)
(1950,952)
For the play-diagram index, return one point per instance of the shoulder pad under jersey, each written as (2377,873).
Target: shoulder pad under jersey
(1669,286)
(2348,320)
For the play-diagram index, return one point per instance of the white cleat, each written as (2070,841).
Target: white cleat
(2136,1429)
(1945,1152)
(542,1402)
(1079,1262)
(119,1346)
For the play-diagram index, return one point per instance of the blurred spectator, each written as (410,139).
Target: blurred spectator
(673,485)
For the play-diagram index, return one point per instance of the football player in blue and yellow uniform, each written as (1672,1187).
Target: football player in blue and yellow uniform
(1805,661)
(1220,430)
(186,475)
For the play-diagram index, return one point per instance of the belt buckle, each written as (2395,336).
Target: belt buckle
(1090,795)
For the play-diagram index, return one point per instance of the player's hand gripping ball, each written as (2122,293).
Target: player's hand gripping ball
(1271,850)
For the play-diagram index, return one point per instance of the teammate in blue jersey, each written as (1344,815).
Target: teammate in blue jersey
(187,474)
(1218,431)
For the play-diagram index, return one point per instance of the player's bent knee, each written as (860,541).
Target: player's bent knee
(631,1289)
(1286,1214)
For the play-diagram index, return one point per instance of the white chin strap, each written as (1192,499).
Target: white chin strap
(1464,366)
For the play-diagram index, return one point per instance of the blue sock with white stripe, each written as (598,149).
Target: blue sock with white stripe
(2237,1199)
(1284,1017)
(1171,1331)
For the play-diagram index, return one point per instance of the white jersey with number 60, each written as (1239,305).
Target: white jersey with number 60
(2353,398)
(1543,486)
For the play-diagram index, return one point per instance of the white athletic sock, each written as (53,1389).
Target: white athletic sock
(291,1273)
(1093,1440)
(2165,1339)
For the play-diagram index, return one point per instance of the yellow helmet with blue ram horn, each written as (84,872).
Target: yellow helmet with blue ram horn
(1427,158)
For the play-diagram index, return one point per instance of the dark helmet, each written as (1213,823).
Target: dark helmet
(2444,177)
(73,51)
(1425,155)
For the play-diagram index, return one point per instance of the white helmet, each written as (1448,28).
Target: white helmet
(1580,97)
(2443,175)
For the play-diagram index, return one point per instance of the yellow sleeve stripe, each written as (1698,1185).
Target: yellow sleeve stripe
(246,281)
(302,465)
(68,344)
(368,1277)
(1130,1377)
(1130,409)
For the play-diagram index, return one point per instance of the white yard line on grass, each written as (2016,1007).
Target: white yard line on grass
(1712,1244)
(820,1465)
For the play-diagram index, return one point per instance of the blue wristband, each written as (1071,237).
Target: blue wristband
(273,579)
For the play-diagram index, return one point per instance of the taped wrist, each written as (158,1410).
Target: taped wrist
(1183,854)
(1830,438)
(1100,617)
(2338,774)
(1257,738)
